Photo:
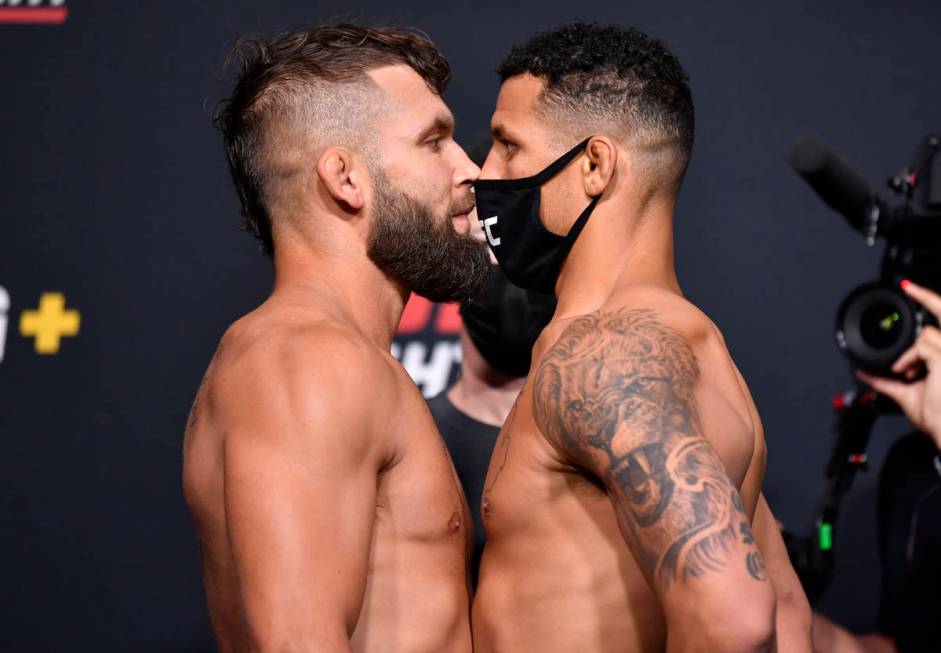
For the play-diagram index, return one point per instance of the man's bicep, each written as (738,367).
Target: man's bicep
(300,533)
(682,514)
(615,394)
(300,506)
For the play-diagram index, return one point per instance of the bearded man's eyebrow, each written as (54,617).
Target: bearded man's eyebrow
(442,124)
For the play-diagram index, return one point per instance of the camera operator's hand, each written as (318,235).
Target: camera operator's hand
(921,399)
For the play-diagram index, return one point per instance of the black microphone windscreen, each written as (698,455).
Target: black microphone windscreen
(835,181)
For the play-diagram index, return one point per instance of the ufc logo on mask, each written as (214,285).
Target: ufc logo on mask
(494,242)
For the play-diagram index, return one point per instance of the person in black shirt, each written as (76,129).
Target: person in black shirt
(500,327)
(909,522)
(910,527)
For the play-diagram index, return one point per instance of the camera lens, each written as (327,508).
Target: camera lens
(874,325)
(881,325)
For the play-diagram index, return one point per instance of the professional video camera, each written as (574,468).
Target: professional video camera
(876,322)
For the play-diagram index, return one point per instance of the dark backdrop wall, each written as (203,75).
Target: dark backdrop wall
(114,193)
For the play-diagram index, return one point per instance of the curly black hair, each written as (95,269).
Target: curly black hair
(609,77)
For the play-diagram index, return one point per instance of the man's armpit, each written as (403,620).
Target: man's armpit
(615,394)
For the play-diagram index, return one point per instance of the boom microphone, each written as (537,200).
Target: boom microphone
(842,188)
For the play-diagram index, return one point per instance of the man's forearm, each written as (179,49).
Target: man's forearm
(281,643)
(737,629)
(793,624)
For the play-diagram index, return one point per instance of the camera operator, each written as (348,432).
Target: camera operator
(909,507)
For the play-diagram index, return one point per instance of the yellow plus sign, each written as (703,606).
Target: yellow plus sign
(50,323)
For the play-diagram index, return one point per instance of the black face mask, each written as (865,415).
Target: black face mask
(508,210)
(503,322)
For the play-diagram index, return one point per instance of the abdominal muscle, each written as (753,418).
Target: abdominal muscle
(410,605)
(567,582)
(415,598)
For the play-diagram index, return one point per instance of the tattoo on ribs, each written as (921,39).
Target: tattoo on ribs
(503,444)
(615,394)
(756,567)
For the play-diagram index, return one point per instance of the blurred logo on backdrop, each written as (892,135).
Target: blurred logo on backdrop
(33,12)
(47,324)
(4,308)
(427,344)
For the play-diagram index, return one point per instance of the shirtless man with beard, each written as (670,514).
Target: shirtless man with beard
(329,515)
(623,503)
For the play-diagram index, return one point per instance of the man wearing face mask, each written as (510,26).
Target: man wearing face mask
(623,504)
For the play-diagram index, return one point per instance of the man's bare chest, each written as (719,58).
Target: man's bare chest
(419,495)
(526,476)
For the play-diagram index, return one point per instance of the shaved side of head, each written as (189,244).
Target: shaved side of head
(304,91)
(612,80)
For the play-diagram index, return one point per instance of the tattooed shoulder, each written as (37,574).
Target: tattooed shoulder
(616,395)
(607,366)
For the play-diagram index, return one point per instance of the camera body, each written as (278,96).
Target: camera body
(877,322)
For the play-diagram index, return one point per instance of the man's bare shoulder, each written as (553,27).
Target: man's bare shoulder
(650,355)
(643,342)
(671,310)
(646,303)
(289,342)
(314,370)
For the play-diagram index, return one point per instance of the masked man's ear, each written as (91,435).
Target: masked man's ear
(344,176)
(599,165)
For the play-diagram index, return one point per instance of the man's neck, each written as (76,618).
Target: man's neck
(619,246)
(483,393)
(347,285)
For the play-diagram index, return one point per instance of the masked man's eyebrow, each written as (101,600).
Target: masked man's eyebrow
(500,132)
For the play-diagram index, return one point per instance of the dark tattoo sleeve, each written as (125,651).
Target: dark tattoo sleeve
(615,394)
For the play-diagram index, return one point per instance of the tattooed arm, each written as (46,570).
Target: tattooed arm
(615,396)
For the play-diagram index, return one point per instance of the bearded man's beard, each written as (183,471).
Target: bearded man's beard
(430,258)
